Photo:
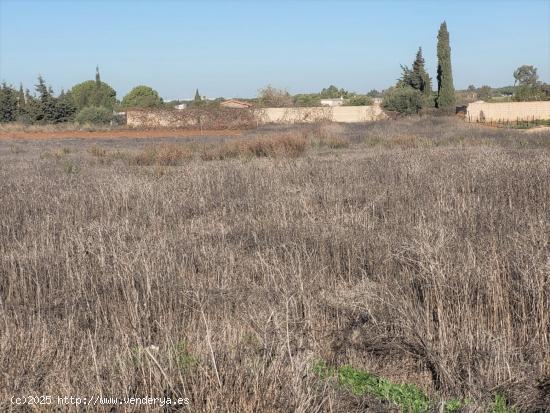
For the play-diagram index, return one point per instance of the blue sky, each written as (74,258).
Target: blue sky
(233,48)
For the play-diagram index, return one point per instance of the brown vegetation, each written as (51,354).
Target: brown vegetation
(420,252)
(47,132)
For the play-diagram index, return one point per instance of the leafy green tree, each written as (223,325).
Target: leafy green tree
(485,93)
(332,92)
(88,93)
(93,93)
(526,75)
(374,93)
(142,97)
(8,103)
(403,99)
(526,85)
(445,87)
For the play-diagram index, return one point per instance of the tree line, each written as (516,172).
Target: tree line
(92,101)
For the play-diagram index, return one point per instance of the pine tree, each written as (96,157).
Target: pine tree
(197,96)
(445,88)
(406,77)
(65,108)
(8,103)
(420,79)
(46,109)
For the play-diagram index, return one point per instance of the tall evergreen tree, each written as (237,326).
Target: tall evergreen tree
(65,107)
(21,102)
(97,77)
(47,108)
(445,88)
(8,103)
(197,96)
(420,79)
(21,96)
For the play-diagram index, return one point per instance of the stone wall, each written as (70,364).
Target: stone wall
(346,114)
(507,111)
(192,118)
(230,118)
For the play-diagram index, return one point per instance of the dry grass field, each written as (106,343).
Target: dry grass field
(270,272)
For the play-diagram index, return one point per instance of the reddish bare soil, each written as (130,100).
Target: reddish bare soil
(117,133)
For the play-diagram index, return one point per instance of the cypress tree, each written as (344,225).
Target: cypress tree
(197,96)
(21,102)
(445,88)
(21,96)
(97,77)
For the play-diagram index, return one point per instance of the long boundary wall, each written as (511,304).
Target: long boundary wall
(228,118)
(507,111)
(348,114)
(194,118)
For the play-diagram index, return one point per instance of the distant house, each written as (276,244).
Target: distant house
(234,103)
(181,106)
(332,102)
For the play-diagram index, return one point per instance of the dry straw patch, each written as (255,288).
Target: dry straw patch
(226,281)
(281,145)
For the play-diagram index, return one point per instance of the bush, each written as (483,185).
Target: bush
(359,100)
(403,100)
(96,115)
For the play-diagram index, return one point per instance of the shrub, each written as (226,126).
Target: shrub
(327,134)
(96,115)
(286,145)
(359,100)
(403,100)
(97,151)
(163,155)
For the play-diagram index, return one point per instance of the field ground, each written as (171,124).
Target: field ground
(398,265)
(109,134)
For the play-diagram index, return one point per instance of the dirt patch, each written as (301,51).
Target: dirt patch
(110,134)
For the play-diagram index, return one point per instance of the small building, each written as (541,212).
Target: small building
(234,103)
(332,102)
(181,106)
